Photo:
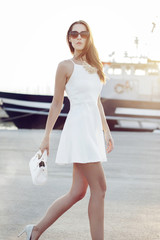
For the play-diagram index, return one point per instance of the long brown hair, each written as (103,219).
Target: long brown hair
(89,51)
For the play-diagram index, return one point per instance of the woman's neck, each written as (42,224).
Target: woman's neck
(79,58)
(76,54)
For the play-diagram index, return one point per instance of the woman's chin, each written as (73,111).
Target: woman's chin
(79,48)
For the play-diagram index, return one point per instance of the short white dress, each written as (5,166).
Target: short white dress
(82,137)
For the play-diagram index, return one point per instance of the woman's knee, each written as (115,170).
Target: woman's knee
(78,194)
(98,193)
(104,186)
(100,189)
(104,190)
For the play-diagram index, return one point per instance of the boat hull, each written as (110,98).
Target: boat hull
(29,111)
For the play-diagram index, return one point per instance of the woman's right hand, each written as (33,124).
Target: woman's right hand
(45,145)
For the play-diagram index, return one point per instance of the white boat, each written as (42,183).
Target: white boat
(131,96)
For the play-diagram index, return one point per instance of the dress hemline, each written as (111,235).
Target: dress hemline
(66,163)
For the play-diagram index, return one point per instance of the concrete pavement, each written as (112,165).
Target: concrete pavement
(132,203)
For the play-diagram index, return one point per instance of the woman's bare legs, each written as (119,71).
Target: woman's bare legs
(61,205)
(95,176)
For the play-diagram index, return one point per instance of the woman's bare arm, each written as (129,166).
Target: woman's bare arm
(63,73)
(107,133)
(103,118)
(58,97)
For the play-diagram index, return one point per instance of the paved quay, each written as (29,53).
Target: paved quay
(132,202)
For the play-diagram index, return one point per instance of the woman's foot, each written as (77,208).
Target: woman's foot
(35,234)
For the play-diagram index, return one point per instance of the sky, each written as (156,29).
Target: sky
(33,36)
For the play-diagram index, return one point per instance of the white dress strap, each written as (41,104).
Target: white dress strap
(72,61)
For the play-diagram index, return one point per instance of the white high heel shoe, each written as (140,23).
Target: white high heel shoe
(28,229)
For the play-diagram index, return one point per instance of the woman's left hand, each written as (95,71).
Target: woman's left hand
(110,145)
(109,142)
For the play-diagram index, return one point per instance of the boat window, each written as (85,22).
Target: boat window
(140,72)
(114,71)
(110,71)
(117,71)
(153,72)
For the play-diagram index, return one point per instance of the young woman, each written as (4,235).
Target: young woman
(82,139)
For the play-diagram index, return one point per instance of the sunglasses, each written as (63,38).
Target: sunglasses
(75,34)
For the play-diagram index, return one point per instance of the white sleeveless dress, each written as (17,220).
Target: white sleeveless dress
(82,138)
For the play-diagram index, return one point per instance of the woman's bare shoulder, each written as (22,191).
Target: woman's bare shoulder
(66,66)
(66,63)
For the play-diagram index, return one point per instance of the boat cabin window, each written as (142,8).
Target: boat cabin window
(140,72)
(116,71)
(110,71)
(153,72)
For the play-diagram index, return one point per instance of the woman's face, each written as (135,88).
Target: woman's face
(79,42)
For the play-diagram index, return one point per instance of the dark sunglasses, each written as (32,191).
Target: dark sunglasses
(75,34)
